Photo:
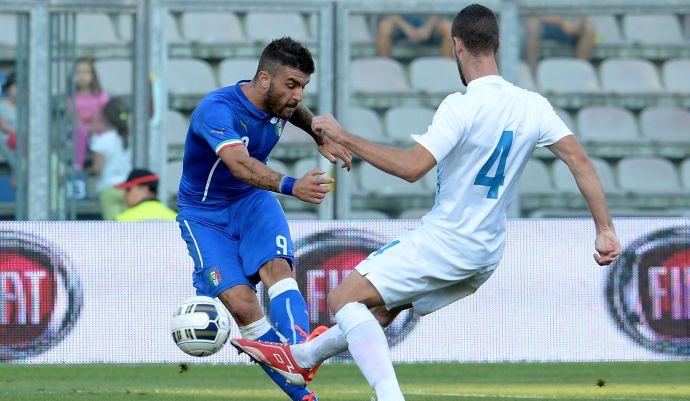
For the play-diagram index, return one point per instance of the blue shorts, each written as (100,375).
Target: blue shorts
(231,243)
(556,33)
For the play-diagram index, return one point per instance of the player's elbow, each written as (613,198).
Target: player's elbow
(412,174)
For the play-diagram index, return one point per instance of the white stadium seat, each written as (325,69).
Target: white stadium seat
(648,176)
(215,27)
(365,122)
(172,32)
(435,75)
(95,29)
(675,74)
(666,124)
(525,79)
(115,76)
(606,124)
(277,165)
(378,75)
(565,182)
(303,166)
(232,70)
(264,27)
(173,175)
(8,33)
(359,29)
(401,122)
(292,134)
(658,29)
(535,179)
(368,214)
(629,76)
(567,75)
(685,173)
(413,214)
(567,119)
(190,77)
(607,29)
(375,181)
(175,127)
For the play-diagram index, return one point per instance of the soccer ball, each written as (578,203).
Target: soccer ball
(200,326)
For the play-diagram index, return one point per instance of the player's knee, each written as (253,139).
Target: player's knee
(386,27)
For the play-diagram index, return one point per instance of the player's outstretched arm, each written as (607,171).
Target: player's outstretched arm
(408,164)
(311,188)
(569,150)
(302,118)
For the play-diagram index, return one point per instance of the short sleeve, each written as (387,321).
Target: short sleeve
(103,143)
(552,127)
(445,130)
(216,124)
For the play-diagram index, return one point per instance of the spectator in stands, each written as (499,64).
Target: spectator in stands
(141,190)
(112,158)
(414,28)
(89,101)
(579,33)
(8,120)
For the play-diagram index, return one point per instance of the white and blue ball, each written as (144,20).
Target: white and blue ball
(200,326)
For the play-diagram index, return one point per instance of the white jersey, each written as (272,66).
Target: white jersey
(481,141)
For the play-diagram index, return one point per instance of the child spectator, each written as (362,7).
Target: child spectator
(112,158)
(89,100)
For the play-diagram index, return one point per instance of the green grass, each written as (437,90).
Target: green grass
(481,382)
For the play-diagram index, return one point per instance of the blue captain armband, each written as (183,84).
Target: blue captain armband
(287,183)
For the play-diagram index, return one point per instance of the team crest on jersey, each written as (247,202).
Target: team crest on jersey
(279,127)
(214,277)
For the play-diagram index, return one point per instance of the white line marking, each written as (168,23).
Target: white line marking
(208,180)
(195,244)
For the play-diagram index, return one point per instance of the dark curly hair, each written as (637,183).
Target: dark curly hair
(477,28)
(286,52)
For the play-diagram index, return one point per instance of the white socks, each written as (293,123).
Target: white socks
(252,331)
(326,345)
(282,286)
(369,348)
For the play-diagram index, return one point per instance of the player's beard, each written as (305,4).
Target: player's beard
(274,105)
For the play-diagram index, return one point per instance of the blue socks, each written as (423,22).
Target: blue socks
(289,311)
(262,331)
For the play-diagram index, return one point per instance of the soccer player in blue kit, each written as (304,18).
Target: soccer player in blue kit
(234,227)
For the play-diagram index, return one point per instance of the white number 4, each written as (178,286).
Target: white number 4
(282,244)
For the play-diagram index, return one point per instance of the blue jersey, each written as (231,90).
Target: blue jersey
(225,117)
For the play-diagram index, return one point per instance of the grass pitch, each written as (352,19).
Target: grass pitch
(482,382)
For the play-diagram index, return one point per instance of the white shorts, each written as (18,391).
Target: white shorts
(403,275)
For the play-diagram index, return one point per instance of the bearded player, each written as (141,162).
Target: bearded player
(480,143)
(233,225)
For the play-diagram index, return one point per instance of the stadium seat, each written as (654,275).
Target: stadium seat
(413,214)
(535,179)
(264,27)
(95,29)
(232,70)
(359,29)
(303,166)
(277,165)
(378,75)
(217,27)
(661,29)
(8,34)
(294,215)
(648,176)
(565,182)
(368,214)
(567,119)
(675,74)
(401,122)
(567,75)
(525,79)
(375,181)
(435,75)
(175,127)
(173,175)
(367,123)
(172,32)
(190,77)
(629,76)
(607,29)
(115,76)
(666,124)
(685,173)
(606,124)
(292,134)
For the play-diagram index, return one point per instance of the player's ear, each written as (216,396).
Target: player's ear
(264,79)
(458,47)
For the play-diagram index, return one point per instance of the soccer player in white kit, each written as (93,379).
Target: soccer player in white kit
(480,142)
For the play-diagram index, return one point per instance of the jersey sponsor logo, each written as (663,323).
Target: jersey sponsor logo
(40,295)
(648,291)
(324,259)
(279,127)
(214,277)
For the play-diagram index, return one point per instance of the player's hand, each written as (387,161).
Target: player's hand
(334,151)
(312,187)
(327,125)
(608,247)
